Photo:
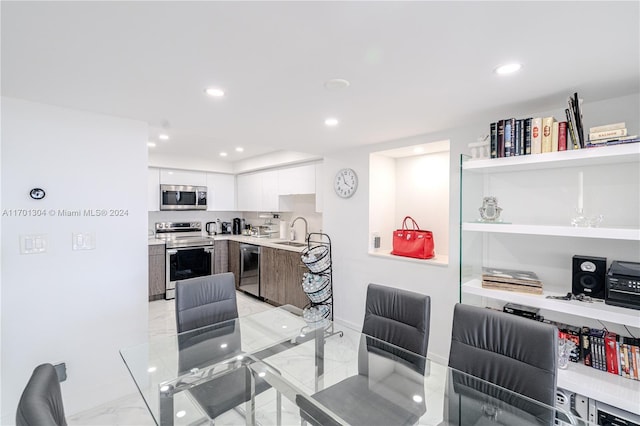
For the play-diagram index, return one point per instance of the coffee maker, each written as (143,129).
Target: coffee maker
(238,226)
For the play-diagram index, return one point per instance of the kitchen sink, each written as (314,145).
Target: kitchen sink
(291,243)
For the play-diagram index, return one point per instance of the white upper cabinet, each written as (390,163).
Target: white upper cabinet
(269,200)
(221,192)
(258,191)
(249,192)
(182,177)
(153,189)
(297,180)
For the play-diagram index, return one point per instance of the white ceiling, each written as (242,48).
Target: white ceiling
(414,67)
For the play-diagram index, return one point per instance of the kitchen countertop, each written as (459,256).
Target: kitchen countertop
(264,242)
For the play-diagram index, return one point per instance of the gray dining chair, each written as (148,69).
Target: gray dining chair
(387,377)
(210,303)
(513,352)
(41,401)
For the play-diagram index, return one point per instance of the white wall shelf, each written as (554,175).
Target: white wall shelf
(582,157)
(595,310)
(602,386)
(554,230)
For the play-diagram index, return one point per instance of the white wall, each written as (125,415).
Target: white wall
(346,221)
(78,307)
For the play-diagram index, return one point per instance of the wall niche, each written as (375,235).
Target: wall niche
(410,181)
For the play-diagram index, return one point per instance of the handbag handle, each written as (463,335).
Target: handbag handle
(413,223)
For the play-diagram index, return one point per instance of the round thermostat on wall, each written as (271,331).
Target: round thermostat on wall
(345,183)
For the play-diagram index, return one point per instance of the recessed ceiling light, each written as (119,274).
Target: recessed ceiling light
(163,136)
(331,122)
(239,149)
(151,144)
(336,84)
(223,154)
(216,92)
(418,150)
(508,68)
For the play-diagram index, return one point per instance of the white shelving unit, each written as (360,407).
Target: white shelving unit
(554,231)
(534,243)
(599,310)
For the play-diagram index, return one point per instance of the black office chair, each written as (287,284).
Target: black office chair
(210,302)
(41,400)
(387,378)
(515,353)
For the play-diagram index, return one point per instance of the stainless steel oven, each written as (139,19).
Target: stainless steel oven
(189,254)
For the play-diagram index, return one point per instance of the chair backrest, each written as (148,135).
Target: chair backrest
(515,353)
(41,400)
(205,301)
(399,317)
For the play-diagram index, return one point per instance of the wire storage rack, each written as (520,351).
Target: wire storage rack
(318,283)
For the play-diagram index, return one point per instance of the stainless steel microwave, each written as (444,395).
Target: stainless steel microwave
(183,197)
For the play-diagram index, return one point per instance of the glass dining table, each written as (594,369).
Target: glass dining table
(332,375)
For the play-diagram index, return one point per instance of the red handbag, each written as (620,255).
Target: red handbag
(413,242)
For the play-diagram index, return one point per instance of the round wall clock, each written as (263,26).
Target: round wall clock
(346,183)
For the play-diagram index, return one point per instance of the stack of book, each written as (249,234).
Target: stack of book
(610,134)
(610,352)
(524,136)
(511,280)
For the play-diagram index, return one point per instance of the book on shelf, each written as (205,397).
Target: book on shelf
(527,135)
(607,134)
(547,133)
(611,344)
(500,139)
(518,288)
(562,135)
(555,131)
(536,135)
(493,141)
(519,138)
(610,352)
(509,136)
(616,141)
(576,114)
(571,129)
(606,127)
(511,280)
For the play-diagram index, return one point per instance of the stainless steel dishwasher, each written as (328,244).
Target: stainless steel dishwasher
(250,269)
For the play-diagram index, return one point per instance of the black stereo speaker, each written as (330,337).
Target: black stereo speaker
(589,275)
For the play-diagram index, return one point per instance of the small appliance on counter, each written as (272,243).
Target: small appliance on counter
(226,228)
(213,228)
(238,226)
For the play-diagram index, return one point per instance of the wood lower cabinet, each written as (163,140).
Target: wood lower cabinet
(221,257)
(157,285)
(234,260)
(281,277)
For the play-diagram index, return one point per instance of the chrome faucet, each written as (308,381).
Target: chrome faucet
(306,226)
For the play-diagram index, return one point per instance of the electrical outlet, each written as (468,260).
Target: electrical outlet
(33,244)
(83,241)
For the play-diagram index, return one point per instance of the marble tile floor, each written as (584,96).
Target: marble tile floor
(131,410)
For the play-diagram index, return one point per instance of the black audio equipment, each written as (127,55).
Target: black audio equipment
(623,285)
(589,276)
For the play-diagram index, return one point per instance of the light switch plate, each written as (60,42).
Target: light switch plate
(83,241)
(33,244)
